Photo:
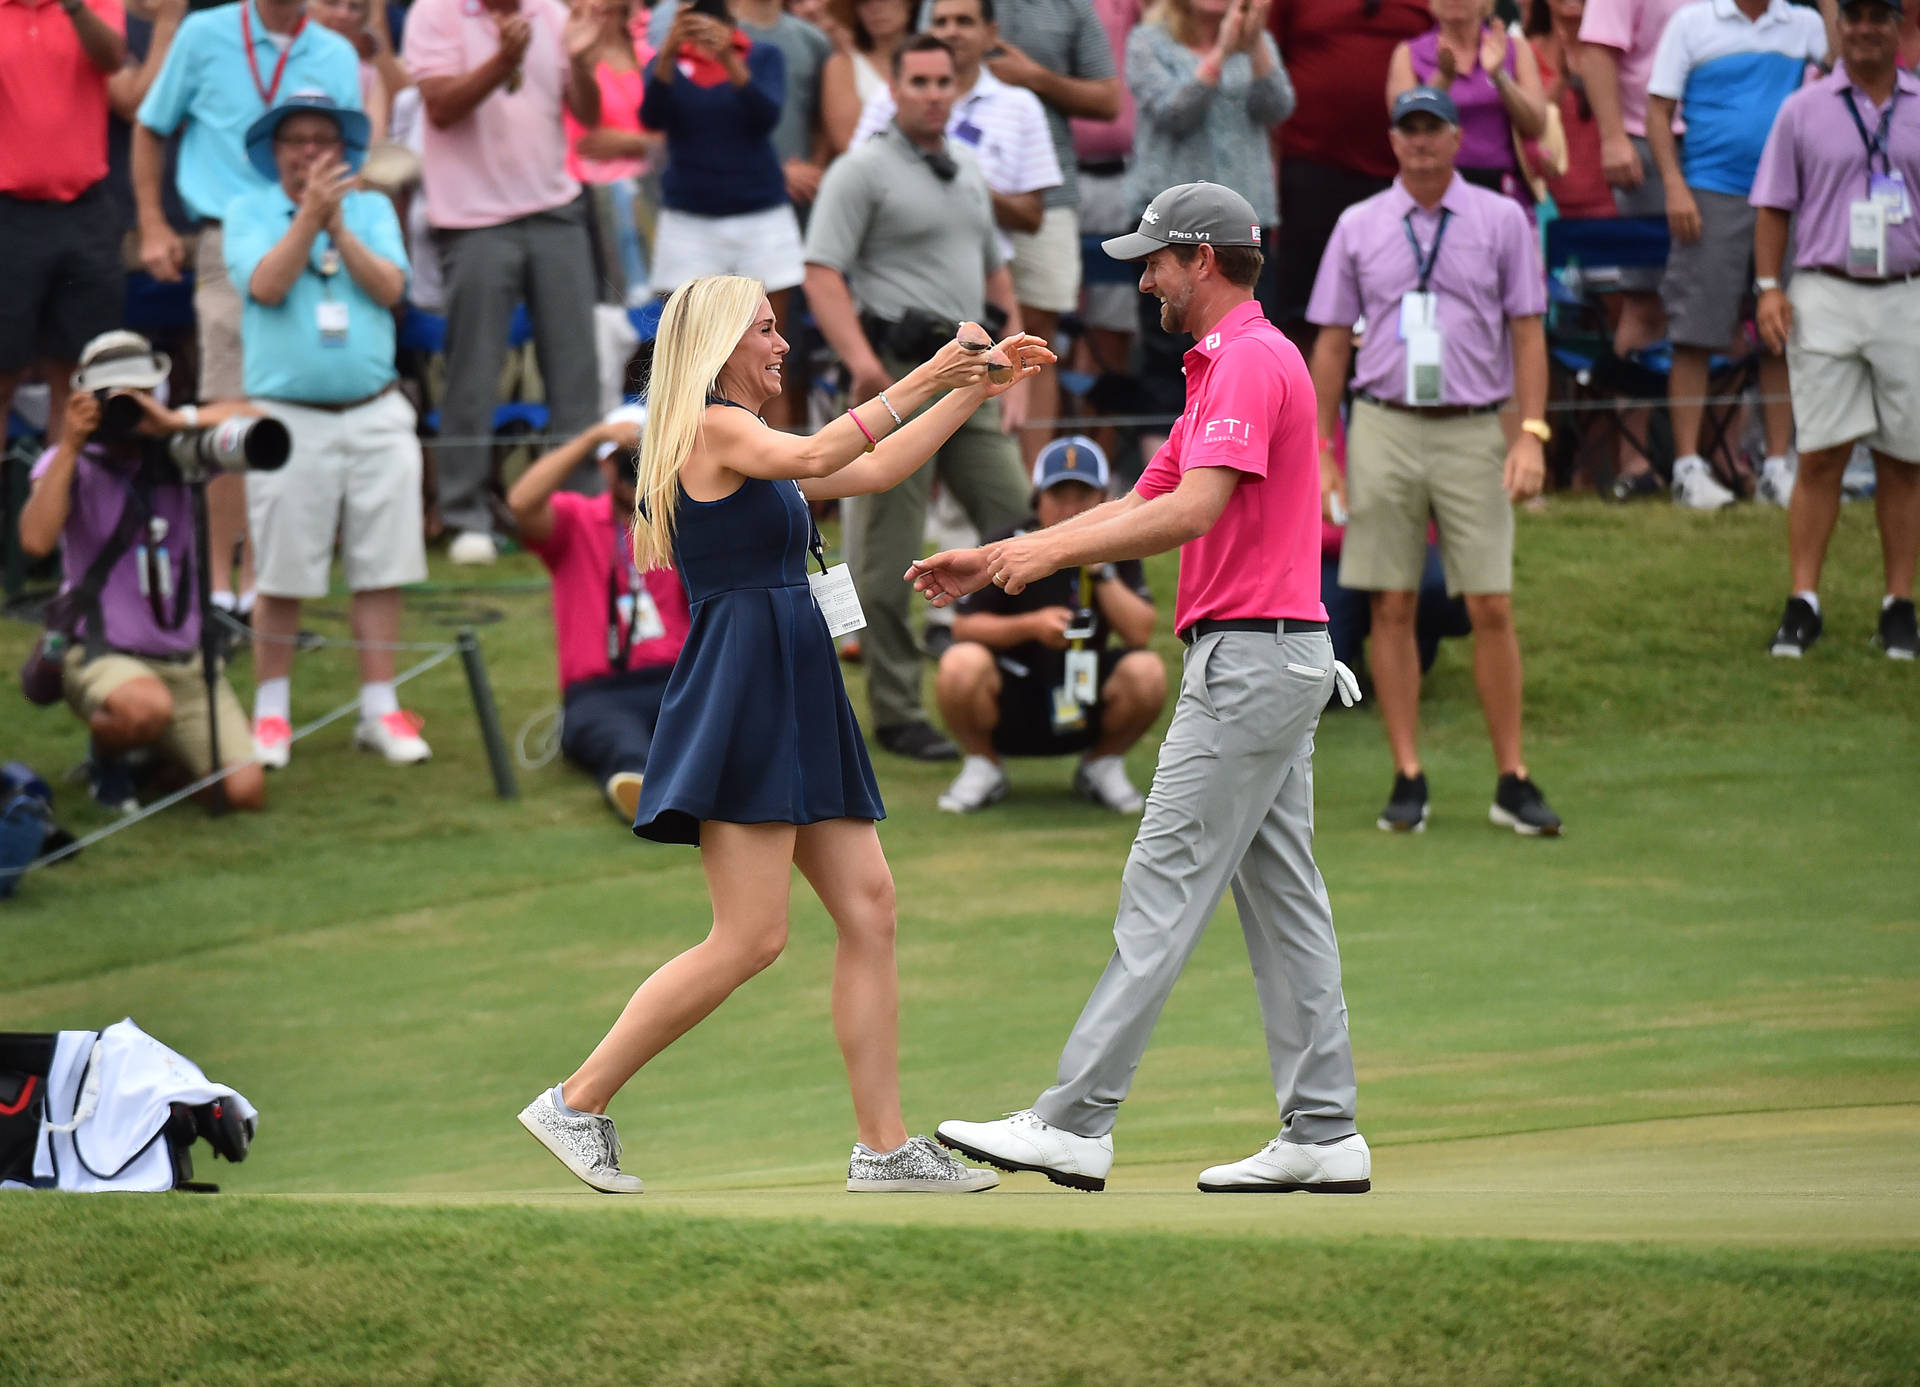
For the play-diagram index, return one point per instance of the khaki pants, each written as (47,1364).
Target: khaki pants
(90,683)
(216,304)
(981,466)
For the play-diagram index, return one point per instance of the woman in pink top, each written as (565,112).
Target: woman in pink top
(1493,81)
(1554,25)
(610,157)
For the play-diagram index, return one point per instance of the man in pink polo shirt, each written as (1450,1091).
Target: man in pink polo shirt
(617,631)
(494,77)
(58,237)
(1236,486)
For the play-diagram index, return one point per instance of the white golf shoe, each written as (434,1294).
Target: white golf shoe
(1023,1141)
(1345,1167)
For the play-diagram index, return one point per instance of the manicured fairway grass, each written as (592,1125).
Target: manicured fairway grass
(1671,1062)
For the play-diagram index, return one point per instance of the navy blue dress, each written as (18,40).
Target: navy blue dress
(755,726)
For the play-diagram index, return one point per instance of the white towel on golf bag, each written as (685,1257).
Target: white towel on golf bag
(117,1083)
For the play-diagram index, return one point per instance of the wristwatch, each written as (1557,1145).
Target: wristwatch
(1764,283)
(1539,428)
(73,7)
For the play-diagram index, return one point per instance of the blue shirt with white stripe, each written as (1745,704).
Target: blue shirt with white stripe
(1730,75)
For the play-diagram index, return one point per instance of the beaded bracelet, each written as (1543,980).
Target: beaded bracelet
(872,442)
(882,397)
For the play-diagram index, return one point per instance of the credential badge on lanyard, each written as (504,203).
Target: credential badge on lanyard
(1886,203)
(1420,319)
(832,587)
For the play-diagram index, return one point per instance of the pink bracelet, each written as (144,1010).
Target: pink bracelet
(872,442)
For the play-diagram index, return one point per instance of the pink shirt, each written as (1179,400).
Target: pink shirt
(581,554)
(1250,407)
(620,95)
(1485,272)
(1815,164)
(508,158)
(53,102)
(1633,29)
(1095,141)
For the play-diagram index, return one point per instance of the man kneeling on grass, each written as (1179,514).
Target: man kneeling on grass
(1033,674)
(617,630)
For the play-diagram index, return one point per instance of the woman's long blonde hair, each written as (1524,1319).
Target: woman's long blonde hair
(1176,17)
(699,328)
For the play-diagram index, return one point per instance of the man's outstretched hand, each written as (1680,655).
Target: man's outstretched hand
(950,575)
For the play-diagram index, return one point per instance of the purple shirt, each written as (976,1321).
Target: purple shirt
(1815,164)
(1486,272)
(1486,130)
(99,493)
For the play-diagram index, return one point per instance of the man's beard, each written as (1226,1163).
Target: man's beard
(1173,313)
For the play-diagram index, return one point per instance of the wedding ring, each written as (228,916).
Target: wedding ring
(999,580)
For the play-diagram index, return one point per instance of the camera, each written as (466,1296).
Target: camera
(247,444)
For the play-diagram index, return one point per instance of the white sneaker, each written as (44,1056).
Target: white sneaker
(1860,480)
(1345,1167)
(1696,488)
(472,547)
(1775,487)
(1022,1141)
(585,1143)
(979,784)
(272,742)
(623,793)
(1102,780)
(395,736)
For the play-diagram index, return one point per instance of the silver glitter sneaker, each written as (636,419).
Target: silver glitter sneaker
(584,1143)
(919,1167)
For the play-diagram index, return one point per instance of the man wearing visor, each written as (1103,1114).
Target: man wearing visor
(1236,488)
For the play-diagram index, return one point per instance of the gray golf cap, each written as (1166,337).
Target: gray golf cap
(1425,100)
(1189,214)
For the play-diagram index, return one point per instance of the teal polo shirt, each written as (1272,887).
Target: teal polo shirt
(286,356)
(207,83)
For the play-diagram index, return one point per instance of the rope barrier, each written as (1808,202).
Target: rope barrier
(310,641)
(445,652)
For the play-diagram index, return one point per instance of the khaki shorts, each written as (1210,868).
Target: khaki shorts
(216,303)
(1853,364)
(1046,263)
(1402,468)
(354,473)
(184,743)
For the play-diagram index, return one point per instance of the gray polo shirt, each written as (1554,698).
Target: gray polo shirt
(1063,36)
(904,237)
(806,50)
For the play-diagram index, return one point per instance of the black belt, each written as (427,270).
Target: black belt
(342,406)
(1103,168)
(1266,626)
(1833,273)
(1432,411)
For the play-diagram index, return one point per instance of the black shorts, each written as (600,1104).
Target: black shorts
(65,281)
(1312,197)
(1026,715)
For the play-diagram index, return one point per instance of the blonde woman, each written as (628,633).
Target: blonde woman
(757,757)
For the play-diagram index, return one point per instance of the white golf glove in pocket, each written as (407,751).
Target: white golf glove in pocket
(1346,685)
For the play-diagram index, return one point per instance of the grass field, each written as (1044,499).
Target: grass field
(1645,1102)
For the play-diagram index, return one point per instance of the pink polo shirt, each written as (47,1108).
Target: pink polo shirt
(1485,272)
(581,554)
(53,102)
(1250,407)
(1815,165)
(1632,28)
(508,158)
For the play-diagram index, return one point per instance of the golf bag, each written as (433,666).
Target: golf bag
(111,1110)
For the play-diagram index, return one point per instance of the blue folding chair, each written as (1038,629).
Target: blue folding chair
(1586,258)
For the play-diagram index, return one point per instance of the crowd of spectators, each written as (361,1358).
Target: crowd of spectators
(319,170)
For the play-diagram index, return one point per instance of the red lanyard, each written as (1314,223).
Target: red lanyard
(246,38)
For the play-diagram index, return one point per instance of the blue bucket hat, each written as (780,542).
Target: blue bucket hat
(354,131)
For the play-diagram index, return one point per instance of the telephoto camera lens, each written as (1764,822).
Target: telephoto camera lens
(244,444)
(120,416)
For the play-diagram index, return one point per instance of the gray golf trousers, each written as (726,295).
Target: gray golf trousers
(1232,804)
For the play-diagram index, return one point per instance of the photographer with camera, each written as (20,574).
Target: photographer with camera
(123,636)
(902,246)
(616,630)
(320,267)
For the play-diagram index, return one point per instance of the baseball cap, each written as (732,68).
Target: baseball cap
(121,360)
(1894,5)
(1075,458)
(1189,214)
(354,131)
(1431,100)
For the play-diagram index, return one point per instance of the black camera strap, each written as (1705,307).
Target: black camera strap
(82,600)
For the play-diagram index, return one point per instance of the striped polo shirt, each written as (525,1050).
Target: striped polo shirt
(1730,74)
